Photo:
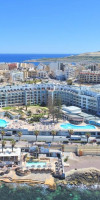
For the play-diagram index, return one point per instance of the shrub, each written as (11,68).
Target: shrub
(65,160)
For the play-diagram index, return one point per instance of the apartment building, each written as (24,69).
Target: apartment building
(69,72)
(42,74)
(87,98)
(4,66)
(12,66)
(16,76)
(88,76)
(32,73)
(62,71)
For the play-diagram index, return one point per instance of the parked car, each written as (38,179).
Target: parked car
(9,133)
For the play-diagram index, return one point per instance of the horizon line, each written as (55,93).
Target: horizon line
(39,53)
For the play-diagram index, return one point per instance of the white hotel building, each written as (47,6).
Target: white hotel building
(87,98)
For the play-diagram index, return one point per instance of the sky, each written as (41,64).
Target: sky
(49,26)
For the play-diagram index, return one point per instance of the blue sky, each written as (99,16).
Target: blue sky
(49,26)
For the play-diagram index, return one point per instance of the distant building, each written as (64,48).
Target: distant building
(17,76)
(25,74)
(88,76)
(42,74)
(62,71)
(93,67)
(26,65)
(4,66)
(32,73)
(59,75)
(69,72)
(12,66)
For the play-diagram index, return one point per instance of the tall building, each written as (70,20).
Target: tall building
(87,98)
(62,71)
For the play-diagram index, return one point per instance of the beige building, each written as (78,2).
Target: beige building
(27,65)
(88,76)
(5,74)
(25,74)
(4,66)
(32,73)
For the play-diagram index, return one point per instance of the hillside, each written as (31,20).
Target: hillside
(91,54)
(88,57)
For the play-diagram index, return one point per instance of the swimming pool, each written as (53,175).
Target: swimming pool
(72,126)
(36,164)
(3,123)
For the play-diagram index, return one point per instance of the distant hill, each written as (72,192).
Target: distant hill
(91,54)
(88,57)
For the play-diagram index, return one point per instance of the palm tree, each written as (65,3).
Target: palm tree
(13,142)
(71,132)
(3,144)
(53,133)
(19,134)
(26,106)
(36,133)
(87,135)
(2,133)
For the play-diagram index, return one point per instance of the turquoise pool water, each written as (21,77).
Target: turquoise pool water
(72,126)
(3,123)
(36,164)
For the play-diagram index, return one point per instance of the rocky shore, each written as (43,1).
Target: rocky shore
(88,177)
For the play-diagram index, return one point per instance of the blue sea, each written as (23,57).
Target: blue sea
(41,193)
(11,58)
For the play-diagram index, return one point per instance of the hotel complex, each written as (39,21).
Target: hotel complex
(87,98)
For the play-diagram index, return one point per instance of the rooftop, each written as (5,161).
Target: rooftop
(71,109)
(8,152)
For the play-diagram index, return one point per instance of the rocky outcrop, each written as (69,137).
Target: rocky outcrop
(85,176)
(51,184)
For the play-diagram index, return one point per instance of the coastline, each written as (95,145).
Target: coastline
(87,177)
(81,178)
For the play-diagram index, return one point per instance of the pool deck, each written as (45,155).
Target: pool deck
(75,127)
(20,124)
(33,177)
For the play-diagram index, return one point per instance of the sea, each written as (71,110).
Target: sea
(25,192)
(11,58)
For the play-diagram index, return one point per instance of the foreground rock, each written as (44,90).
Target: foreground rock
(51,183)
(87,177)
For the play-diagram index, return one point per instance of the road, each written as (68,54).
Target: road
(39,138)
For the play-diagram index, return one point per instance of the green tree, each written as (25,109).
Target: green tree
(19,134)
(36,133)
(58,107)
(13,142)
(69,82)
(29,113)
(3,144)
(2,133)
(51,108)
(53,133)
(54,107)
(87,135)
(71,132)
(35,81)
(28,103)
